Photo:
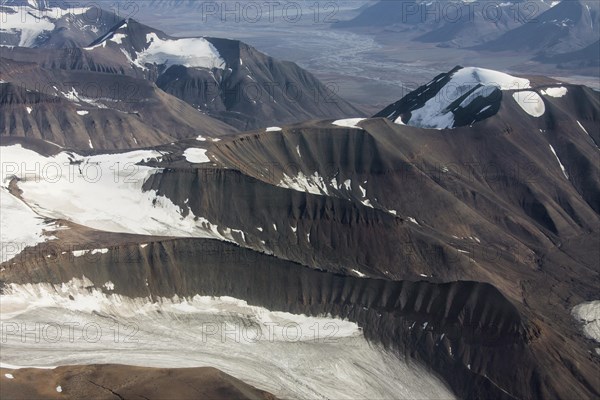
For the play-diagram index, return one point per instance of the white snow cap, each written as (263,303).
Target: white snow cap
(349,122)
(435,113)
(189,52)
(473,75)
(33,19)
(30,25)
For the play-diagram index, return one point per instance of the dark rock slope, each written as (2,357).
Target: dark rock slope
(488,202)
(82,109)
(463,248)
(251,90)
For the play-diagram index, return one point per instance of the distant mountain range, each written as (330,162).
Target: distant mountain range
(587,57)
(543,29)
(571,25)
(35,24)
(224,80)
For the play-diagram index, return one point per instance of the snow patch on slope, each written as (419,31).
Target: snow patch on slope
(587,133)
(414,221)
(118,38)
(589,315)
(358,273)
(74,96)
(314,183)
(472,75)
(582,128)
(530,102)
(432,116)
(78,189)
(196,156)
(267,349)
(189,52)
(30,21)
(562,167)
(555,91)
(349,122)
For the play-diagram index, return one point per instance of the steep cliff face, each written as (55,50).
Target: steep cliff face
(469,212)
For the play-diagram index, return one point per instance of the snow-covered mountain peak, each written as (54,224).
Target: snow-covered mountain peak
(24,25)
(35,24)
(144,45)
(457,98)
(470,76)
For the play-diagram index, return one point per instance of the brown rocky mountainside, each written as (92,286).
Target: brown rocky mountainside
(124,382)
(456,229)
(463,248)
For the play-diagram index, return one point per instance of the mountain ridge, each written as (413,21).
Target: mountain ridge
(244,96)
